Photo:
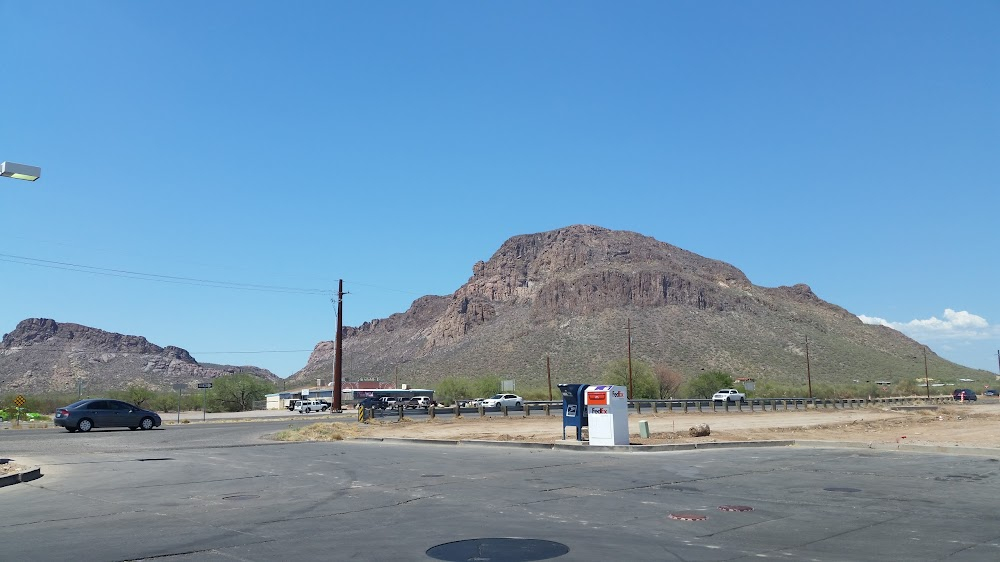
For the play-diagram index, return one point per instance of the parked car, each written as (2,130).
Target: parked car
(306,406)
(964,394)
(84,415)
(729,395)
(292,404)
(371,402)
(991,392)
(474,403)
(419,402)
(392,401)
(500,400)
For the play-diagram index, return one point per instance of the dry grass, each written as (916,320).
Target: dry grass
(318,432)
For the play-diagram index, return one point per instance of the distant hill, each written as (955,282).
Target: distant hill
(42,355)
(568,294)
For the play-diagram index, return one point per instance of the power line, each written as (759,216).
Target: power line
(60,349)
(125,274)
(158,278)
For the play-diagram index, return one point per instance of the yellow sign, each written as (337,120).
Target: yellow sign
(19,400)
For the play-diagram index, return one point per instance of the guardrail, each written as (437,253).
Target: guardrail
(554,408)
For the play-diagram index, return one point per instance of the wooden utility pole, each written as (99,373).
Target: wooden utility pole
(548,369)
(338,349)
(631,394)
(927,381)
(808,374)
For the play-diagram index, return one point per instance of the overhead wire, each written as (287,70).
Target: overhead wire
(157,277)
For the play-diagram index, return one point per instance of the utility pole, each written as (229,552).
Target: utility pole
(808,374)
(628,329)
(927,381)
(548,369)
(338,350)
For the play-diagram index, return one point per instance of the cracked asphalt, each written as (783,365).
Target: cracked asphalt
(223,492)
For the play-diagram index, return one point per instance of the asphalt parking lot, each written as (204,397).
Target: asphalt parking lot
(220,492)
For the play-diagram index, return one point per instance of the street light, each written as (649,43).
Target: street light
(20,171)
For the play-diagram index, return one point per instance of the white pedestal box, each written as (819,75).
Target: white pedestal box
(607,410)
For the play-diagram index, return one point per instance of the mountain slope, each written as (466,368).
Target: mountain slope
(42,355)
(568,294)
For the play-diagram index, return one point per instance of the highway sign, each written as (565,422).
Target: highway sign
(19,400)
(180,386)
(204,385)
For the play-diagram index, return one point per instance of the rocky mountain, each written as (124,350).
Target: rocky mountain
(42,355)
(569,294)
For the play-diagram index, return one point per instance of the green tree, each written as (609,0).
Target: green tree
(484,387)
(707,384)
(644,381)
(237,392)
(451,389)
(135,394)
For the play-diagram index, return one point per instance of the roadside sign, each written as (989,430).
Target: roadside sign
(180,386)
(204,385)
(19,400)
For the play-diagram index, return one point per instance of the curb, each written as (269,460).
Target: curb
(955,450)
(667,447)
(18,477)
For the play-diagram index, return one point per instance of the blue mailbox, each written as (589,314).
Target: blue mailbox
(574,410)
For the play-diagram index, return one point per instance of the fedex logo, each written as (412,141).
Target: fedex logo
(618,394)
(599,411)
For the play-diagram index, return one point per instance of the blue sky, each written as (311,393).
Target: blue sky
(851,146)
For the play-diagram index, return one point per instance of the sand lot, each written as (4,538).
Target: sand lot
(965,425)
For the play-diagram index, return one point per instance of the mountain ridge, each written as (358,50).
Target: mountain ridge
(42,355)
(567,294)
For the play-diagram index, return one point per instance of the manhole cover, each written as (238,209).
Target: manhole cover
(735,508)
(238,497)
(688,516)
(497,550)
(848,490)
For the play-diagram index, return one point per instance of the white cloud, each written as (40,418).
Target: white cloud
(955,325)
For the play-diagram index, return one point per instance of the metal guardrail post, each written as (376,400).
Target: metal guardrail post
(430,411)
(458,410)
(654,406)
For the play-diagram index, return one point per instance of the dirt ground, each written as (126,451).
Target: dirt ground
(965,425)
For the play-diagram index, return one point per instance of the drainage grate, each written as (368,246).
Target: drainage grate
(498,550)
(848,490)
(238,497)
(735,508)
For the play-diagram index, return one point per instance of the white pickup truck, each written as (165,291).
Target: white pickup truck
(729,395)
